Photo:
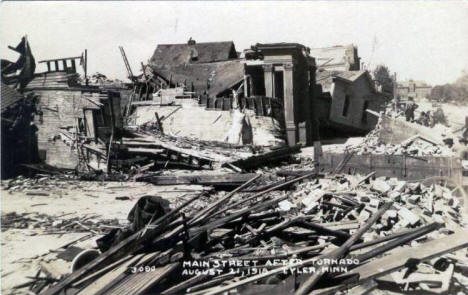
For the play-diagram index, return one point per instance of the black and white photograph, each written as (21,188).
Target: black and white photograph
(234,147)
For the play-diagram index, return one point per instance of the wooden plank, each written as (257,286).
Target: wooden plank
(107,278)
(201,179)
(95,149)
(398,258)
(341,252)
(125,247)
(266,158)
(140,282)
(145,150)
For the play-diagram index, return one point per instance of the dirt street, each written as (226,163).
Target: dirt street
(23,249)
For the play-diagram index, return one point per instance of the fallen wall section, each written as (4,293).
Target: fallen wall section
(400,166)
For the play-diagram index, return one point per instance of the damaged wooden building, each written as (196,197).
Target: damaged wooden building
(76,120)
(190,86)
(272,80)
(345,92)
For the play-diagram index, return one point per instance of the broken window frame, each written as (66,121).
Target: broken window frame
(346,105)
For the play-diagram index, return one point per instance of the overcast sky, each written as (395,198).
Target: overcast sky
(419,40)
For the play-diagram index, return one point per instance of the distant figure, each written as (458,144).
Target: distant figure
(430,119)
(439,116)
(423,118)
(241,129)
(409,110)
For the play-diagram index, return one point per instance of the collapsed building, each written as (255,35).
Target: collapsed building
(66,122)
(272,81)
(266,96)
(184,105)
(276,80)
(345,98)
(77,120)
(337,58)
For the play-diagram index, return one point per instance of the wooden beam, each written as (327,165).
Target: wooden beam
(125,247)
(256,161)
(398,258)
(200,179)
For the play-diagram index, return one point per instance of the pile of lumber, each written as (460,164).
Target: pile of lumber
(329,234)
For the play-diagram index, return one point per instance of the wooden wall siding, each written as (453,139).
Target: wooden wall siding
(60,108)
(263,106)
(359,92)
(400,166)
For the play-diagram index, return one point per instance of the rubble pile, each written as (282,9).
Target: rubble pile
(206,242)
(414,146)
(41,184)
(58,224)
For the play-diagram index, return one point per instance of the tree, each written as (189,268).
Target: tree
(382,77)
(456,92)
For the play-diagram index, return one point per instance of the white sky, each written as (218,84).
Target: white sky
(419,40)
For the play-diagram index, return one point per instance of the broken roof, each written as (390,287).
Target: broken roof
(221,75)
(326,78)
(342,57)
(193,53)
(9,96)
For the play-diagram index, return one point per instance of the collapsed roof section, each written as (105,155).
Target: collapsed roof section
(326,78)
(341,58)
(208,68)
(212,78)
(10,97)
(193,53)
(19,73)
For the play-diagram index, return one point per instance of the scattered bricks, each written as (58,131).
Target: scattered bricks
(414,199)
(453,202)
(365,199)
(312,200)
(407,217)
(400,186)
(364,215)
(414,187)
(285,205)
(392,213)
(438,218)
(380,186)
(394,195)
(439,206)
(374,203)
(438,190)
(353,214)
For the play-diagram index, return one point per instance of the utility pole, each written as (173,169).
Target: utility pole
(86,66)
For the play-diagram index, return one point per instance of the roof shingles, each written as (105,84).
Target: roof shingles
(9,96)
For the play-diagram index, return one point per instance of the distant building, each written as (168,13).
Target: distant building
(337,58)
(415,89)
